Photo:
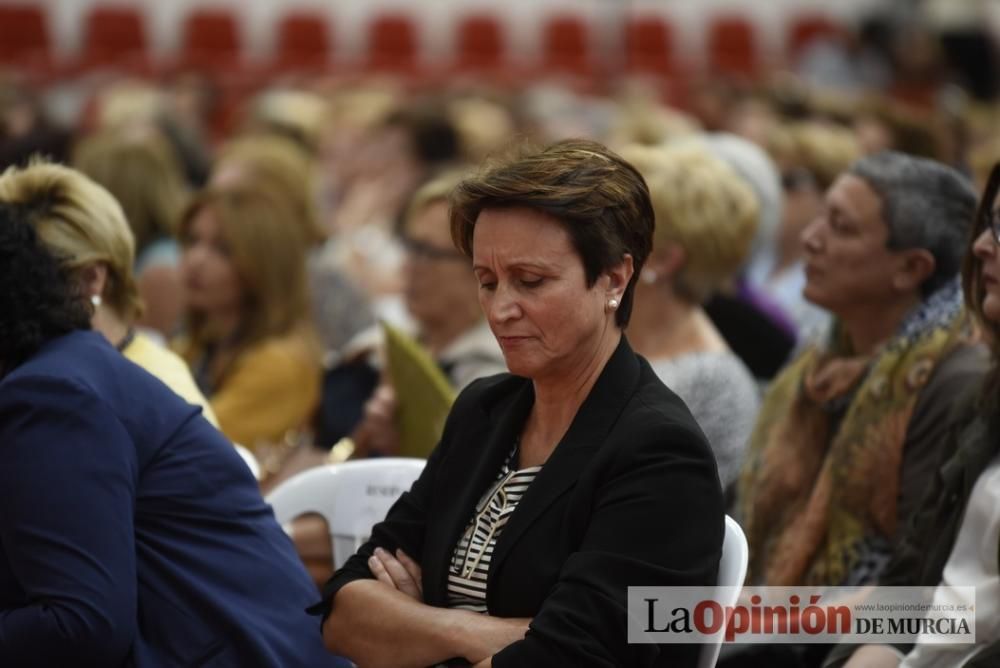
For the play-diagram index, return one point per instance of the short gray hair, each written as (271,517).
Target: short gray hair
(925,204)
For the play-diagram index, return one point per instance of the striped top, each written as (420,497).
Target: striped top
(470,563)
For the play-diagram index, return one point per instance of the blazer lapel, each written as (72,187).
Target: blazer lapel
(597,415)
(496,429)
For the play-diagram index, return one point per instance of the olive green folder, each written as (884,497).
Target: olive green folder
(423,394)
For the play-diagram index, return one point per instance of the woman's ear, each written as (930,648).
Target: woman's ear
(674,259)
(666,261)
(619,276)
(93,279)
(916,266)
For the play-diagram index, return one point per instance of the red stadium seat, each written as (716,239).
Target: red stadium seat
(732,46)
(392,44)
(24,39)
(479,43)
(210,41)
(649,46)
(566,47)
(303,42)
(804,29)
(114,36)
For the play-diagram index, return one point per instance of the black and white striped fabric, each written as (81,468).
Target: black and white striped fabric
(470,563)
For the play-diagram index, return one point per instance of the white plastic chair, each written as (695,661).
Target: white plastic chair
(732,572)
(352,497)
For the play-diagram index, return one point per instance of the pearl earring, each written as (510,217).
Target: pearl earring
(612,303)
(96,301)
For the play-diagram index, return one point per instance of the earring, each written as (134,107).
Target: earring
(612,303)
(96,301)
(648,276)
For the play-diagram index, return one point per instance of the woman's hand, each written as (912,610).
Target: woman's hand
(874,656)
(377,432)
(398,571)
(484,636)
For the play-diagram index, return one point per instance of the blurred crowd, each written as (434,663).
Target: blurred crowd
(275,228)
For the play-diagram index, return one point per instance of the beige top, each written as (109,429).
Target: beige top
(169,368)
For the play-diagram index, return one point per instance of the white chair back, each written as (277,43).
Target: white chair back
(732,572)
(352,497)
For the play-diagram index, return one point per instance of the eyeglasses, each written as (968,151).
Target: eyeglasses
(797,179)
(425,251)
(994,221)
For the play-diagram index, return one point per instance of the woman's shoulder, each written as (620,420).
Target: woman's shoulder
(73,361)
(82,371)
(658,414)
(169,368)
(722,371)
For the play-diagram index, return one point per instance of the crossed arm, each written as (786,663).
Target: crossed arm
(384,622)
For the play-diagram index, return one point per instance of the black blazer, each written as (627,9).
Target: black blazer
(630,496)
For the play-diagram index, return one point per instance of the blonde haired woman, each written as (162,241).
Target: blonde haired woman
(248,337)
(706,218)
(276,163)
(82,223)
(340,309)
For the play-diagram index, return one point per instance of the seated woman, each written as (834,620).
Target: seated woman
(551,489)
(706,217)
(849,433)
(248,336)
(440,295)
(340,309)
(131,532)
(82,224)
(953,539)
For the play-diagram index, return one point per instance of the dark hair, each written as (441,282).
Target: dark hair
(975,292)
(602,201)
(433,137)
(40,299)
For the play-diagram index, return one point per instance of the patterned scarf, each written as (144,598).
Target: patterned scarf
(818,492)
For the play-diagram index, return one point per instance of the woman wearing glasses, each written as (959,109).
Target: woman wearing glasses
(555,488)
(440,294)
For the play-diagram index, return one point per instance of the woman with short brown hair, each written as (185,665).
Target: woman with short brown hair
(550,490)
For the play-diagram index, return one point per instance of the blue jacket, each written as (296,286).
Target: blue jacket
(131,533)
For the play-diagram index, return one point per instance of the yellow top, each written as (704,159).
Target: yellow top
(273,387)
(171,369)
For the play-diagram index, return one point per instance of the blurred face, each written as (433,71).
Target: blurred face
(985,250)
(873,135)
(229,174)
(211,283)
(439,286)
(847,263)
(533,290)
(803,202)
